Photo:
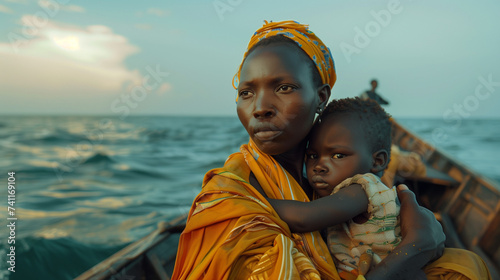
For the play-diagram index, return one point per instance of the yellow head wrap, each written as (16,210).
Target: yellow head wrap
(305,39)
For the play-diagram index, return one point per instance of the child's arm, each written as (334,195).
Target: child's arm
(324,212)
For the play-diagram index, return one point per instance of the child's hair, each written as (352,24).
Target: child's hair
(374,119)
(282,39)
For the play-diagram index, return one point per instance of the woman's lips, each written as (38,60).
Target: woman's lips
(266,131)
(267,135)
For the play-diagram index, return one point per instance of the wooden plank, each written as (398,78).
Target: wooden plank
(438,178)
(457,194)
(157,266)
(485,208)
(490,241)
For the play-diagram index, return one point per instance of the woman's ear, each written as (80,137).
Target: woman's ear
(324,93)
(380,161)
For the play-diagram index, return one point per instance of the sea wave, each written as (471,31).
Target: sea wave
(56,137)
(56,258)
(97,158)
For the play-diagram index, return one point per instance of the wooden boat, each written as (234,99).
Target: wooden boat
(466,204)
(152,257)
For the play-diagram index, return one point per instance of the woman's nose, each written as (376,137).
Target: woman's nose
(263,106)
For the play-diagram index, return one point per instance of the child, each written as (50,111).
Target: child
(349,149)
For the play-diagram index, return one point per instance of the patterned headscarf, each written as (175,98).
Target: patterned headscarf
(305,39)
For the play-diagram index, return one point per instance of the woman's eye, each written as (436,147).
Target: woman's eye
(338,156)
(244,94)
(285,88)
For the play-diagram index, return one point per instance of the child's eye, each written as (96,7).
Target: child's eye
(338,156)
(312,156)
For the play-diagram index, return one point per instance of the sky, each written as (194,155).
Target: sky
(69,57)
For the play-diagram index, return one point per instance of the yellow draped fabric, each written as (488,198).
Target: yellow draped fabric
(457,264)
(233,232)
(318,52)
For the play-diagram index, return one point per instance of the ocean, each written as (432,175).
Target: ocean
(86,187)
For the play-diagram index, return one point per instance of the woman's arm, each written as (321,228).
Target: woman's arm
(423,241)
(330,210)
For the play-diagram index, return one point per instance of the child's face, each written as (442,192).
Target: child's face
(338,149)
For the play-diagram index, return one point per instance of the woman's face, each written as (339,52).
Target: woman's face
(277,97)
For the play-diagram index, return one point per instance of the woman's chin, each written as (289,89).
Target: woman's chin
(269,147)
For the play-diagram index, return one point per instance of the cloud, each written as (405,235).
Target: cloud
(4,9)
(59,60)
(158,12)
(56,6)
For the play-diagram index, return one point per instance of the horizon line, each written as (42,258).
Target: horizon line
(205,115)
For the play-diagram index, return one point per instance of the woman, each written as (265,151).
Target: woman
(232,231)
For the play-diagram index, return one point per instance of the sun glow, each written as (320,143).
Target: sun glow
(70,43)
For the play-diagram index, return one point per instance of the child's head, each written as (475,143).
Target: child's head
(354,137)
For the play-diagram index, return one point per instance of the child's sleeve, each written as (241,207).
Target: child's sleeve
(382,199)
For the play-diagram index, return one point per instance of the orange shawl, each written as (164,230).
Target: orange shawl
(233,232)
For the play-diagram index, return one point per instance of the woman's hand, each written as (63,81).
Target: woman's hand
(419,227)
(423,241)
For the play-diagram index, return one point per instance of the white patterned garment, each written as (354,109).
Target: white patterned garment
(379,235)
